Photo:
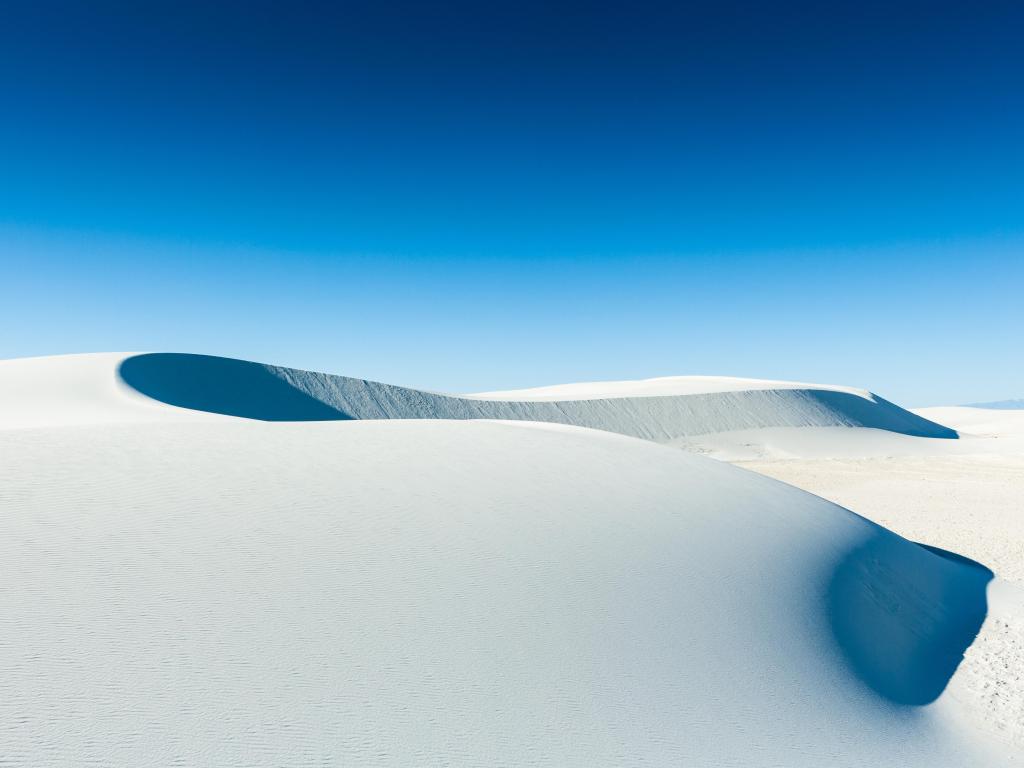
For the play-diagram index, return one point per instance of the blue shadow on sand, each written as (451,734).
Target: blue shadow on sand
(223,385)
(904,615)
(880,413)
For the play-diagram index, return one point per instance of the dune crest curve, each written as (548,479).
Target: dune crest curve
(273,393)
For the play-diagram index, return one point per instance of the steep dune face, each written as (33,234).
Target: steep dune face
(425,592)
(271,393)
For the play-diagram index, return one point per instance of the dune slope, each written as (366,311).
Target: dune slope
(437,592)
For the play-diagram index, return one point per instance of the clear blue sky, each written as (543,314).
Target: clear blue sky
(465,196)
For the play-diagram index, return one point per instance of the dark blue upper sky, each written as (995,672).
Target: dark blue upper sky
(594,144)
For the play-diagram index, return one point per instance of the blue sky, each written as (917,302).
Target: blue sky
(474,196)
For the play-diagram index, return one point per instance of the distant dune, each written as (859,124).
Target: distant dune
(1001,405)
(272,393)
(667,410)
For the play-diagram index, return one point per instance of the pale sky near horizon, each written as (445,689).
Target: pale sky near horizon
(462,197)
(900,321)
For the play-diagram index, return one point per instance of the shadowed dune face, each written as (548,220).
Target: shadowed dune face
(868,413)
(222,385)
(904,616)
(272,393)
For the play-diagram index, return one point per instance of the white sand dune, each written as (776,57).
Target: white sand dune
(216,385)
(188,587)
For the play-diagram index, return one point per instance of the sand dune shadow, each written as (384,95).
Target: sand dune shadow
(904,615)
(223,385)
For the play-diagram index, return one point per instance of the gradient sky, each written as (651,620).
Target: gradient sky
(468,196)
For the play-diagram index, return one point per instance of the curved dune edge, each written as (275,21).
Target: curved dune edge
(272,393)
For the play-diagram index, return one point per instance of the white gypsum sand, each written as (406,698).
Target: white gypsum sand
(964,495)
(188,586)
